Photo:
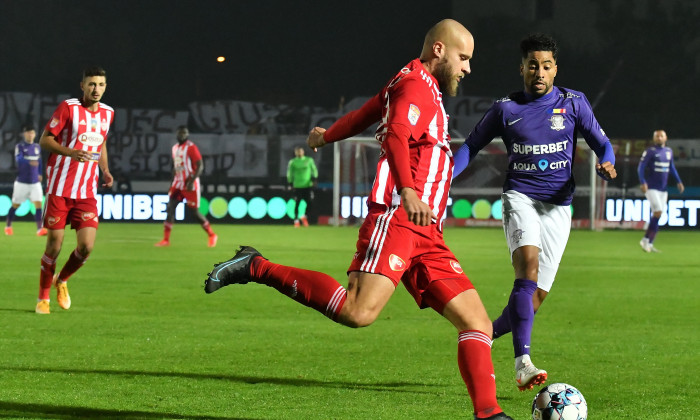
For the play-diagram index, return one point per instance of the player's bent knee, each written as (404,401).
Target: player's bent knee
(358,318)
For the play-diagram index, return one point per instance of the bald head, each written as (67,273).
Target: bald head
(660,137)
(447,49)
(448,32)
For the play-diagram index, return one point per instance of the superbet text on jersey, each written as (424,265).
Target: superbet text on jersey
(77,128)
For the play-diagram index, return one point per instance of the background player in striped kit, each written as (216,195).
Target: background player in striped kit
(539,127)
(401,238)
(28,182)
(187,167)
(76,139)
(653,170)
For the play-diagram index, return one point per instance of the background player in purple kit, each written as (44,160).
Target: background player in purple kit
(653,170)
(28,182)
(539,127)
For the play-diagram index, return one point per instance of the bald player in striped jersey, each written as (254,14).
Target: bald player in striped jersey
(76,138)
(401,239)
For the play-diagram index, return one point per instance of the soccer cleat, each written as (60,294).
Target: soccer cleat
(652,248)
(42,307)
(236,270)
(499,416)
(8,231)
(305,221)
(212,240)
(42,232)
(62,295)
(296,223)
(644,243)
(527,376)
(164,242)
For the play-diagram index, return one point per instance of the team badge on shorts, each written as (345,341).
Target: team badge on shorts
(517,235)
(456,267)
(396,263)
(413,114)
(52,220)
(87,215)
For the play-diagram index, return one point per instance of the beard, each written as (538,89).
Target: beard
(446,78)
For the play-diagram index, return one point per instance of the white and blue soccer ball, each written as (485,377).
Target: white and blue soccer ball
(559,402)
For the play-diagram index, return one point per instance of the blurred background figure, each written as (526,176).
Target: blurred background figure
(28,182)
(301,177)
(653,171)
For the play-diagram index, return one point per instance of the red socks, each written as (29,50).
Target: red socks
(48,268)
(206,226)
(75,261)
(476,367)
(310,288)
(167,227)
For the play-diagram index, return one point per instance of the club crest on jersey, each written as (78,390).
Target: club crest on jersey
(396,263)
(413,114)
(53,123)
(87,215)
(52,220)
(104,124)
(91,139)
(557,122)
(456,267)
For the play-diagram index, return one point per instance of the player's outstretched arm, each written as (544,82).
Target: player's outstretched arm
(315,138)
(606,170)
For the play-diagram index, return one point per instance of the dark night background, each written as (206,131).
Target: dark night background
(161,54)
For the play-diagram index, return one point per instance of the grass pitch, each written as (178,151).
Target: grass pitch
(143,340)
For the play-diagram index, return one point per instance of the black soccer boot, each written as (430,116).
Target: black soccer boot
(236,270)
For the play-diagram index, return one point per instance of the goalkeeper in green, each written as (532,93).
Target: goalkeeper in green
(301,177)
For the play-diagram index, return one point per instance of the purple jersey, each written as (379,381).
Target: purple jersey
(25,154)
(540,139)
(653,169)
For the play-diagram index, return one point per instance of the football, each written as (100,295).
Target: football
(559,402)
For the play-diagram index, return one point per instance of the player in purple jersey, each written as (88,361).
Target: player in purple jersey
(653,170)
(539,127)
(28,182)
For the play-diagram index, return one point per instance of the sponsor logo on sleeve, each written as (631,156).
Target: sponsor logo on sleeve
(54,122)
(413,114)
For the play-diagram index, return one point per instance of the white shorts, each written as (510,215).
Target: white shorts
(657,200)
(22,192)
(546,226)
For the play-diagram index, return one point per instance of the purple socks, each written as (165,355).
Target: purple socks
(518,316)
(652,229)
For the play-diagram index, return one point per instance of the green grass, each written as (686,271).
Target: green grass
(143,341)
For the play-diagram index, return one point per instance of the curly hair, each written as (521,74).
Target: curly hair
(539,42)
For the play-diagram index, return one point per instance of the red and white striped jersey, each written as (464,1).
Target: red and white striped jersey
(77,128)
(412,99)
(185,155)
